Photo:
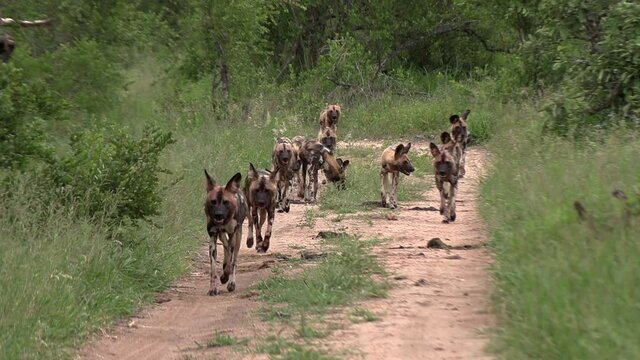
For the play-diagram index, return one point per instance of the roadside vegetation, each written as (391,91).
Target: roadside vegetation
(109,115)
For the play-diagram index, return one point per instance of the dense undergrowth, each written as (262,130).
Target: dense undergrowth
(566,287)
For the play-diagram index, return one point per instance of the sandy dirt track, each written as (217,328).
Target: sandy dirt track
(438,307)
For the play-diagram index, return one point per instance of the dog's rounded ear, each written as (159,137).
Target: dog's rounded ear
(210,182)
(454,118)
(345,164)
(466,114)
(445,137)
(274,175)
(406,148)
(234,184)
(399,150)
(434,149)
(252,171)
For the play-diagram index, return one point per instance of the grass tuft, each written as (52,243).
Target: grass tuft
(345,275)
(359,315)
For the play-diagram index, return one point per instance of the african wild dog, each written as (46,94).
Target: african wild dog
(226,209)
(393,161)
(460,132)
(286,161)
(445,166)
(315,156)
(329,117)
(327,137)
(261,190)
(452,144)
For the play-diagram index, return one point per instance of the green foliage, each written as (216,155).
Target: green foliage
(590,49)
(24,106)
(112,174)
(565,287)
(63,278)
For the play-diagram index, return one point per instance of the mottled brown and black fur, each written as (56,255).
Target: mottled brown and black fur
(314,156)
(327,137)
(445,167)
(226,209)
(460,131)
(286,162)
(329,117)
(394,161)
(261,190)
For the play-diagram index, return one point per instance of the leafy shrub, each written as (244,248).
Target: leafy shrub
(24,106)
(593,46)
(112,174)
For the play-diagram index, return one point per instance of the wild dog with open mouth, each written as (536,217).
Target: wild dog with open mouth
(460,132)
(226,209)
(315,156)
(329,117)
(261,190)
(286,163)
(445,166)
(327,137)
(393,161)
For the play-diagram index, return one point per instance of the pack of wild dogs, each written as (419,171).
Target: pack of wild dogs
(297,162)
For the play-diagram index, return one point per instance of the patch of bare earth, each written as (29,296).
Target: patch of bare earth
(437,308)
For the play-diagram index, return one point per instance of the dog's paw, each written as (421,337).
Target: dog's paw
(213,292)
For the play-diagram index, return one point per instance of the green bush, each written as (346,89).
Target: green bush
(24,107)
(112,174)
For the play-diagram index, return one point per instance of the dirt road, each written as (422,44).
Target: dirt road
(437,309)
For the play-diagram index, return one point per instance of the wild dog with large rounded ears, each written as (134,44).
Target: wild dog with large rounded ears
(393,161)
(445,166)
(460,131)
(329,117)
(226,209)
(286,162)
(315,156)
(261,190)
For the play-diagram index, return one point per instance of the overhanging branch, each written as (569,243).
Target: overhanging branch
(25,23)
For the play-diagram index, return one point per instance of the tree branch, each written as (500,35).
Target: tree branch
(483,41)
(25,23)
(438,30)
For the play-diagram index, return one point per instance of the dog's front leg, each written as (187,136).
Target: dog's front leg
(452,201)
(267,236)
(258,227)
(394,189)
(213,257)
(224,237)
(383,188)
(234,242)
(250,230)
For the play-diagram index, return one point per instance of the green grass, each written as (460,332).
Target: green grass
(345,275)
(306,330)
(359,315)
(565,288)
(280,348)
(225,340)
(395,117)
